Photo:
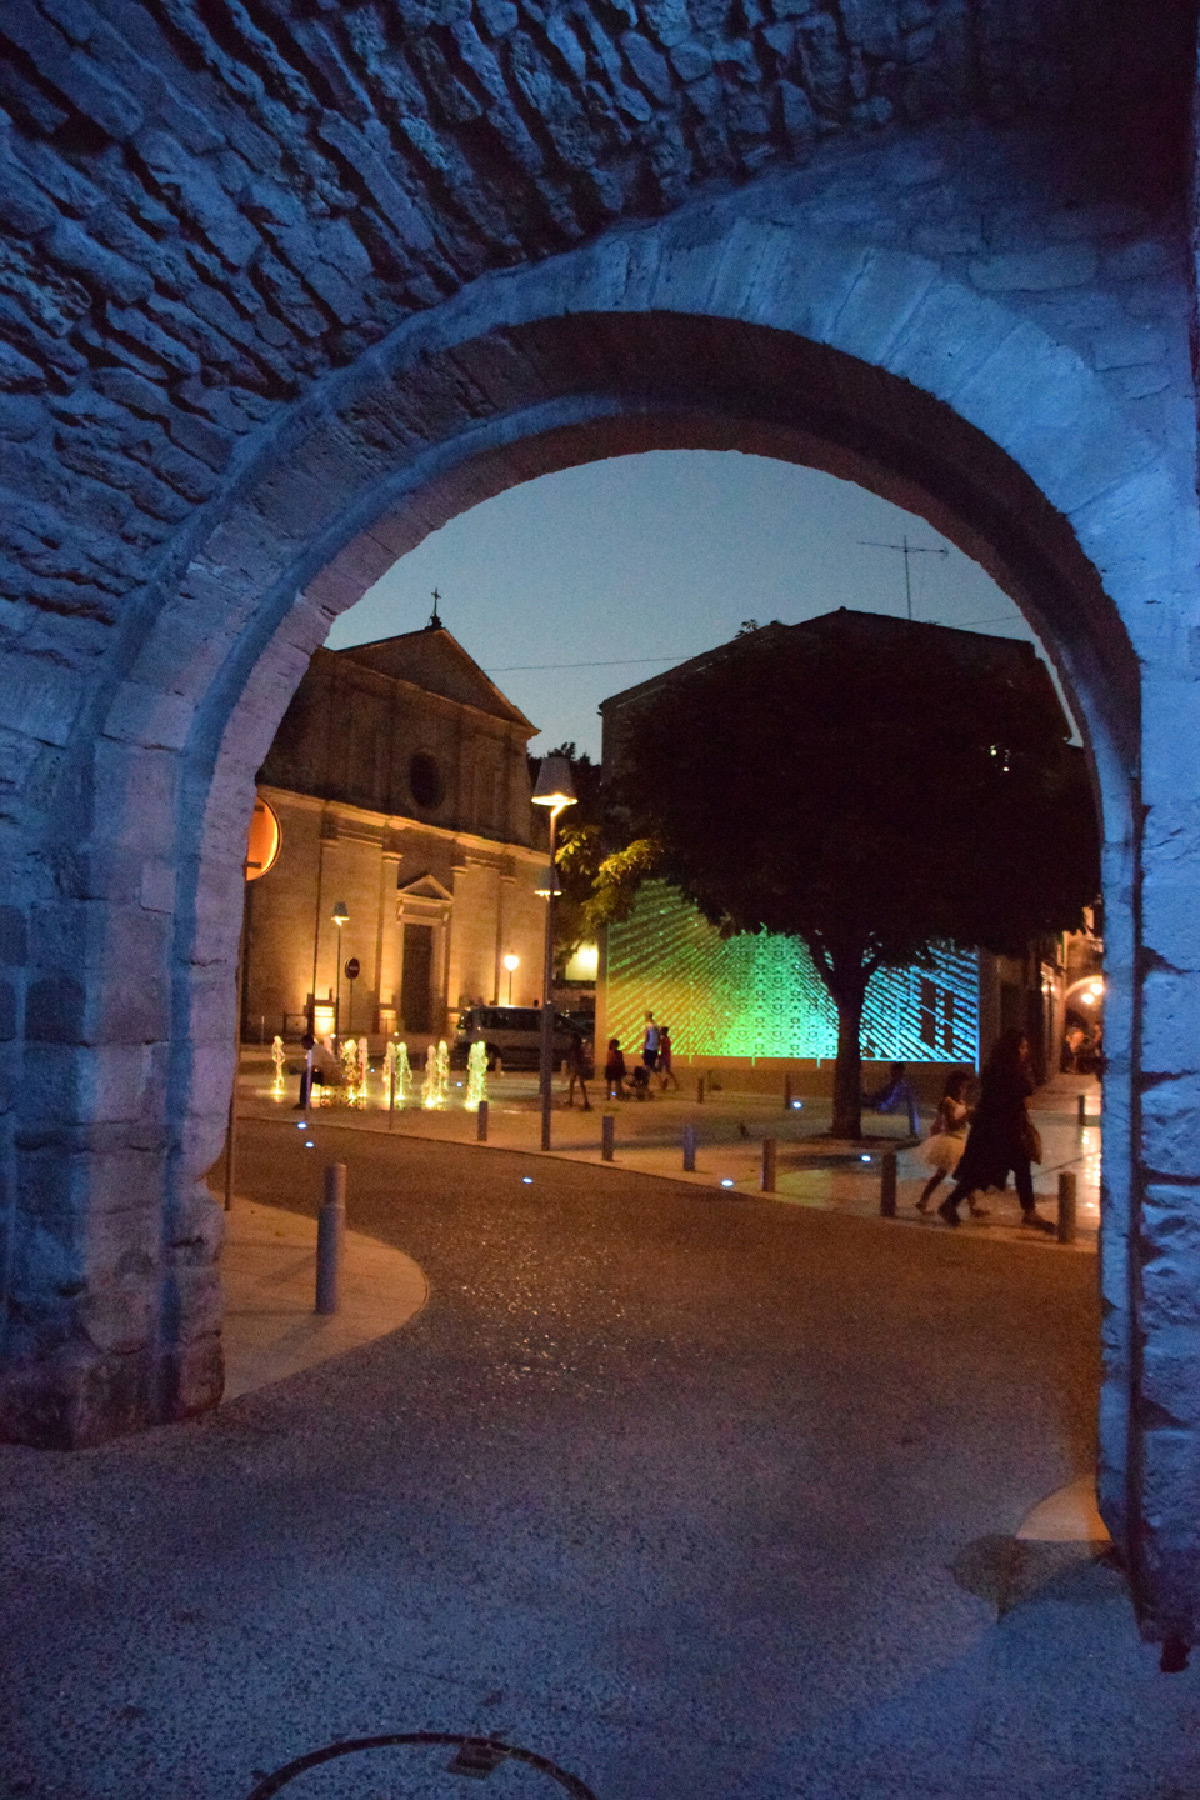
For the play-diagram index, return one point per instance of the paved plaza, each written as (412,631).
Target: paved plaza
(691,1492)
(730,1124)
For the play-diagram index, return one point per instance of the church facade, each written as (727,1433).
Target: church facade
(400,782)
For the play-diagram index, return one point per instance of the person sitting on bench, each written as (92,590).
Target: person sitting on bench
(897,1092)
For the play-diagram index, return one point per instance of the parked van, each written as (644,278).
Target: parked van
(512,1033)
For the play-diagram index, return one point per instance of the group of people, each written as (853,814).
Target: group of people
(656,1060)
(980,1147)
(977,1147)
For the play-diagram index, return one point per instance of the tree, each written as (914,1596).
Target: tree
(596,884)
(871,786)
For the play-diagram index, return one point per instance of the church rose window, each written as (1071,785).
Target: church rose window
(425,780)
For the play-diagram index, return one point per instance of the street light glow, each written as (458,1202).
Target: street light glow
(555,787)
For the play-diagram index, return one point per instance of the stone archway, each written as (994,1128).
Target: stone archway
(710,331)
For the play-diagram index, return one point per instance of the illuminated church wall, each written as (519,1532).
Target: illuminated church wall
(761,996)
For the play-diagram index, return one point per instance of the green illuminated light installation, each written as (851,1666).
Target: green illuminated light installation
(761,996)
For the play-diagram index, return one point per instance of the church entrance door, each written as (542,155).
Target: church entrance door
(416,979)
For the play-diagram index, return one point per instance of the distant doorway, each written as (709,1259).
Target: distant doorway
(416,980)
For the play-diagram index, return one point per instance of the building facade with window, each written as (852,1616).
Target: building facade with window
(400,781)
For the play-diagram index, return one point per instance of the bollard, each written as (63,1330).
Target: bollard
(887,1185)
(305,1100)
(700,1091)
(766,1176)
(607,1133)
(481,1123)
(689,1149)
(331,1228)
(787,1093)
(1066,1207)
(1081,1108)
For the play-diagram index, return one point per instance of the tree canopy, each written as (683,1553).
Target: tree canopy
(871,786)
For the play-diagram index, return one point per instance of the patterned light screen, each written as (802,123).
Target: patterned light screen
(761,996)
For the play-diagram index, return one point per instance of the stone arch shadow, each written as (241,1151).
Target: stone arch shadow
(866,363)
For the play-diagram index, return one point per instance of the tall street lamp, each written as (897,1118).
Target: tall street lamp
(511,963)
(340,917)
(554,790)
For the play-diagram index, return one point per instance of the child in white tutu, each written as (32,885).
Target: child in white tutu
(945,1144)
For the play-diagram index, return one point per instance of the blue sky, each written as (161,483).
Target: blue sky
(640,561)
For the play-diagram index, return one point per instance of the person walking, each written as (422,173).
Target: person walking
(943,1148)
(614,1071)
(650,1044)
(665,1072)
(576,1070)
(1002,1136)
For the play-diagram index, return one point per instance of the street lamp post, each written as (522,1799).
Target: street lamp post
(511,963)
(554,790)
(340,917)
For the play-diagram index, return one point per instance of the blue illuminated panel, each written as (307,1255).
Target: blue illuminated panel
(761,996)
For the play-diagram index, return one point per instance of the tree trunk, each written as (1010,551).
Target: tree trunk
(847,1074)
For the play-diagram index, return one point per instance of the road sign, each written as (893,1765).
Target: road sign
(352,968)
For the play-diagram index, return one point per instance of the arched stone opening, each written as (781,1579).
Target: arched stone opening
(872,365)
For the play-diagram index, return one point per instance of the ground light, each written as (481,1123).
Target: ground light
(528,1180)
(726,1181)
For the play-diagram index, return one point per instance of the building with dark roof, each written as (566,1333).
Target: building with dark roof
(758,999)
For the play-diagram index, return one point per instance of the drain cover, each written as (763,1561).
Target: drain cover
(412,1765)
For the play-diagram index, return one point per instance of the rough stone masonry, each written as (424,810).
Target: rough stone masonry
(286,283)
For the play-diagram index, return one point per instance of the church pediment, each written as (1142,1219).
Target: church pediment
(425,887)
(437,662)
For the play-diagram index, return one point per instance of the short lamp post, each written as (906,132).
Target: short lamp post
(512,964)
(340,917)
(554,790)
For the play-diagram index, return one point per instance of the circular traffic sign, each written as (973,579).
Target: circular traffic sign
(352,968)
(262,840)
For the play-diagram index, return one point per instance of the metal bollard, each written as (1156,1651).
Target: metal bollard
(689,1149)
(607,1134)
(331,1229)
(481,1123)
(305,1100)
(700,1091)
(787,1093)
(766,1176)
(887,1185)
(1066,1207)
(1081,1110)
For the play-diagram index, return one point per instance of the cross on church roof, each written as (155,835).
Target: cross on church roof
(435,623)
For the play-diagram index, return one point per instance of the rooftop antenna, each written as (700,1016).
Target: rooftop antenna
(906,550)
(435,623)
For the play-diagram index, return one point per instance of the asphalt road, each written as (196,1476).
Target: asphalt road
(696,1496)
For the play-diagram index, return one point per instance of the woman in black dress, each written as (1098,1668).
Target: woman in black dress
(1001,1136)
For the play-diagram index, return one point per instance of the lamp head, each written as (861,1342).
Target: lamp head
(512,962)
(340,914)
(554,787)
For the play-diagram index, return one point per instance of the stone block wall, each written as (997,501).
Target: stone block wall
(277,303)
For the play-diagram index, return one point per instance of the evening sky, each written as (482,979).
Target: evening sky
(629,565)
